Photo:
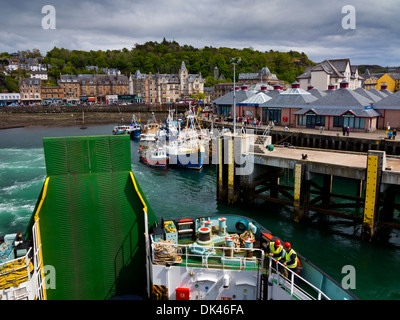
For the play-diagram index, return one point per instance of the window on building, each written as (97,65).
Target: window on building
(271,115)
(311,120)
(225,110)
(349,121)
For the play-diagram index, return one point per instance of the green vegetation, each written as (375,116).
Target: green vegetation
(8,84)
(167,56)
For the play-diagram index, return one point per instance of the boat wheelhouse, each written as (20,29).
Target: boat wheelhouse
(155,156)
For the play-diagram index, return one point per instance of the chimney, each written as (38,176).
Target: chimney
(263,88)
(295,85)
(244,87)
(310,87)
(344,84)
(277,87)
(331,87)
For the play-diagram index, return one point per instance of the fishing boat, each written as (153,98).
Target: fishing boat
(187,149)
(136,128)
(93,236)
(122,129)
(148,139)
(172,127)
(155,156)
(152,125)
(187,154)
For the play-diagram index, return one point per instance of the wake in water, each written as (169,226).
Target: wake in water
(22,172)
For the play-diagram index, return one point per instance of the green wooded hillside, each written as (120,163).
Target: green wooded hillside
(167,56)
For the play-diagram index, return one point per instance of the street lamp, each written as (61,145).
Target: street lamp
(234,92)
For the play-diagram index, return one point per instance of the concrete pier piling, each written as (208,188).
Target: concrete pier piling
(375,178)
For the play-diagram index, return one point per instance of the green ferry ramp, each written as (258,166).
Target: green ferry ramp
(91,221)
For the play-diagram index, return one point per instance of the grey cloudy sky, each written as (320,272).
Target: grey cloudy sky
(310,26)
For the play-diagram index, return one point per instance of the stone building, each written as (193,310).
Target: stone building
(92,87)
(166,88)
(52,94)
(263,76)
(30,91)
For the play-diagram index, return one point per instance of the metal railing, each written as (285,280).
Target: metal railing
(289,283)
(217,261)
(37,262)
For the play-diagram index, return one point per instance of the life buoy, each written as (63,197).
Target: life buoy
(298,266)
(285,119)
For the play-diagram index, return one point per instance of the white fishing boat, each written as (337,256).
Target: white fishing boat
(148,139)
(121,129)
(186,153)
(155,156)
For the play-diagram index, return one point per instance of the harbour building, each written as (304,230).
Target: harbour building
(389,107)
(331,109)
(343,107)
(282,107)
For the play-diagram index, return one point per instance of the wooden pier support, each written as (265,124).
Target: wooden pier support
(374,196)
(222,181)
(375,163)
(229,184)
(231,172)
(327,189)
(301,193)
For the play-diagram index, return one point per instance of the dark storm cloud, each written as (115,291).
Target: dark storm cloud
(314,27)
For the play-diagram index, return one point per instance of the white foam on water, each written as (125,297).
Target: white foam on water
(21,159)
(15,207)
(18,186)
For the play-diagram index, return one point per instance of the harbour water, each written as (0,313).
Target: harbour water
(330,243)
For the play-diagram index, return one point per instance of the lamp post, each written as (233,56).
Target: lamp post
(234,93)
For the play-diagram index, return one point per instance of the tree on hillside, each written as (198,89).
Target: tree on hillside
(167,56)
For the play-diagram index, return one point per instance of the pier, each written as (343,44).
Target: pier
(374,176)
(330,140)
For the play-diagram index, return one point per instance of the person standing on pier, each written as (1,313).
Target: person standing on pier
(348,130)
(394,133)
(344,129)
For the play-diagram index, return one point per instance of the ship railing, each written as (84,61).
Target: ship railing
(289,282)
(179,254)
(38,262)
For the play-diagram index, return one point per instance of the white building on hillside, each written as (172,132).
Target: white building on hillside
(330,73)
